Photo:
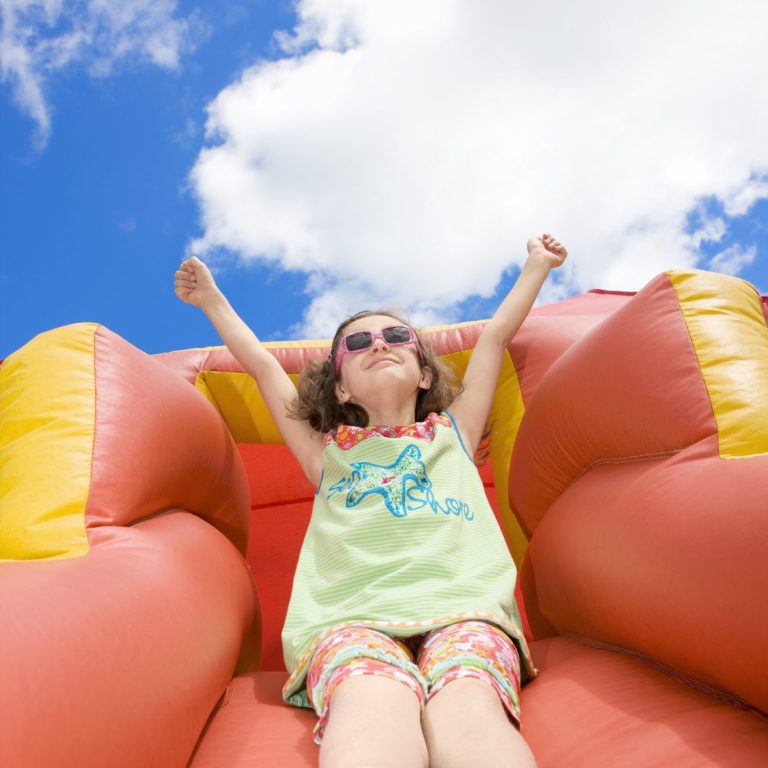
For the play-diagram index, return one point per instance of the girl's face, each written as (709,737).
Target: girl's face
(392,366)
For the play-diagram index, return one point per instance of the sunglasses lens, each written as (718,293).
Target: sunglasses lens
(359,340)
(396,334)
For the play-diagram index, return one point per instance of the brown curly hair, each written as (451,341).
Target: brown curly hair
(316,400)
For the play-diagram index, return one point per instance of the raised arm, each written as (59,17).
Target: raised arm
(472,406)
(195,285)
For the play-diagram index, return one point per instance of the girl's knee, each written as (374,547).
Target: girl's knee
(373,721)
(467,698)
(466,724)
(380,694)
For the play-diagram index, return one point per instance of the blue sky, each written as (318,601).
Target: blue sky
(307,185)
(93,225)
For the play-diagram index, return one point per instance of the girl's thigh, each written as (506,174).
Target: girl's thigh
(473,650)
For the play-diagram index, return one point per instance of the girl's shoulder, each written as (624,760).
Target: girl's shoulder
(346,436)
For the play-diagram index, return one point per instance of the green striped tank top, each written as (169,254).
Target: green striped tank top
(401,539)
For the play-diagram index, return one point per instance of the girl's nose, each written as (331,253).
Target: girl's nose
(379,345)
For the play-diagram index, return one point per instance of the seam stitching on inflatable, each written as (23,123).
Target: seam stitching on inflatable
(727,698)
(625,460)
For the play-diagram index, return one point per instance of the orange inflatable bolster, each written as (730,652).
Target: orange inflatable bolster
(638,519)
(125,610)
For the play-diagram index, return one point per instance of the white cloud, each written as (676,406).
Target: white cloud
(733,259)
(742,198)
(401,153)
(41,37)
(712,230)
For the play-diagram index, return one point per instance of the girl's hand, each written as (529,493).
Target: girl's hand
(547,250)
(194,283)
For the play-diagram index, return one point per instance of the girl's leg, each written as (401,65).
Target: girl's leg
(374,721)
(466,724)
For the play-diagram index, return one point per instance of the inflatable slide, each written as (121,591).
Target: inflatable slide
(150,521)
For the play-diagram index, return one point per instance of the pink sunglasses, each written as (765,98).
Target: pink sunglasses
(359,341)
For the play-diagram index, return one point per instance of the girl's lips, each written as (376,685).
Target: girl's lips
(382,360)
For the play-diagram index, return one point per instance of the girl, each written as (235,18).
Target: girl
(402,631)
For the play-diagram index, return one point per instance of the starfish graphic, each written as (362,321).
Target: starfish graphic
(390,481)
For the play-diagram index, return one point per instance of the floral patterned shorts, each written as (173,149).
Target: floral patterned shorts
(425,663)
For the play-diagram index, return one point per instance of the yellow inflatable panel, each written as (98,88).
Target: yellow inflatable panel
(238,400)
(46,442)
(725,319)
(506,414)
